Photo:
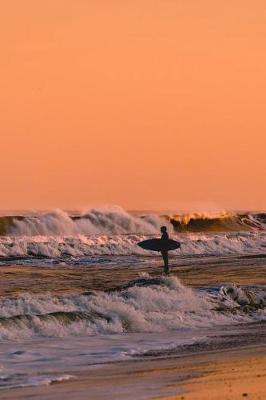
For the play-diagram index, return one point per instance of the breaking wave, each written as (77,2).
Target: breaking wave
(113,231)
(218,222)
(116,221)
(145,305)
(111,221)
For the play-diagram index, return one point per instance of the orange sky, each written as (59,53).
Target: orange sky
(145,104)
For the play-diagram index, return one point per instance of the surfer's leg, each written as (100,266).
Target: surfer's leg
(165,259)
(166,268)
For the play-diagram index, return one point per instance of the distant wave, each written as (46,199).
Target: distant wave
(112,221)
(146,305)
(223,222)
(116,221)
(113,231)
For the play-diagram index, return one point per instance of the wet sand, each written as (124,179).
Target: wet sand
(203,271)
(214,375)
(238,378)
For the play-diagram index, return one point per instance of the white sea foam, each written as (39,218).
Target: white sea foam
(100,245)
(168,306)
(10,381)
(111,220)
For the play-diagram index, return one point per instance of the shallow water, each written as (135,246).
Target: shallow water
(61,335)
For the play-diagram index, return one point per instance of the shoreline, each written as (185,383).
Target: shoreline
(215,374)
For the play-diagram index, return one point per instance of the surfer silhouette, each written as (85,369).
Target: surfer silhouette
(162,245)
(164,252)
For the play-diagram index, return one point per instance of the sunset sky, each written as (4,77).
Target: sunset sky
(144,104)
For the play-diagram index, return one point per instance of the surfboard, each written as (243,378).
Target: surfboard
(159,244)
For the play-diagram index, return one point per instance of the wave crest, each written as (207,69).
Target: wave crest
(145,306)
(218,222)
(116,221)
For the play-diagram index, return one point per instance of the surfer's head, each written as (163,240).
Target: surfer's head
(163,229)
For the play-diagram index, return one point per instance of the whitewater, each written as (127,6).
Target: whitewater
(113,231)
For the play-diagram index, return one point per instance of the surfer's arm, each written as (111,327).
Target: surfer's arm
(165,236)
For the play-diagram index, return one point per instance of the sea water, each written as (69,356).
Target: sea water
(48,337)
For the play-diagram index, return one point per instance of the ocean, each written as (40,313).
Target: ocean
(77,293)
